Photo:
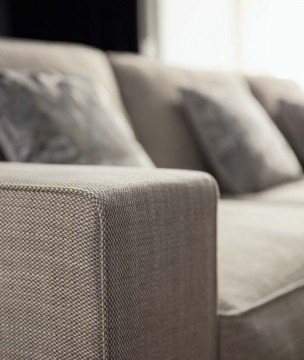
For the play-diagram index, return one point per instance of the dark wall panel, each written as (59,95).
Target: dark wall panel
(107,24)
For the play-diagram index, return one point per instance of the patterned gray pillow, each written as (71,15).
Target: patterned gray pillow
(244,148)
(48,117)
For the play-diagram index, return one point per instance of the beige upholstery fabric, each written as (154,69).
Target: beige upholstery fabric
(284,101)
(150,91)
(261,279)
(270,90)
(71,59)
(106,263)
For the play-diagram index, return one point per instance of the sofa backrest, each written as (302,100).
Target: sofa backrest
(145,90)
(151,94)
(270,90)
(150,91)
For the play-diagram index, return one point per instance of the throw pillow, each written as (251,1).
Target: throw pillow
(48,117)
(244,148)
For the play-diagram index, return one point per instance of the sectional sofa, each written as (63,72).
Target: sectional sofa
(120,263)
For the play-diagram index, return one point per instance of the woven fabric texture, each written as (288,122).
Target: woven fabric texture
(106,263)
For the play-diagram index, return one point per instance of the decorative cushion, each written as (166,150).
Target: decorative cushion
(290,121)
(245,149)
(54,118)
(66,58)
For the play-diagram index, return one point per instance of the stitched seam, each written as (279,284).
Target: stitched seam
(104,279)
(211,187)
(214,259)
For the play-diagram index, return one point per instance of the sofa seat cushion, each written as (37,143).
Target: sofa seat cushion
(261,280)
(291,193)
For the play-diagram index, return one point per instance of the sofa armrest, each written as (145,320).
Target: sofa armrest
(106,263)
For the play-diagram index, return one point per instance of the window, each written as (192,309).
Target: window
(247,35)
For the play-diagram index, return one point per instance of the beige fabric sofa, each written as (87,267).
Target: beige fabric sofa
(260,236)
(145,240)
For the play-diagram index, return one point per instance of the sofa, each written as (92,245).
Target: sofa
(122,263)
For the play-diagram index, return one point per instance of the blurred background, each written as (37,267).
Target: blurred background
(255,36)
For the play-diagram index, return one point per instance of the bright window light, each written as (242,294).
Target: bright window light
(272,37)
(259,36)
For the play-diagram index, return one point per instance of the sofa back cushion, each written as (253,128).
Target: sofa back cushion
(284,101)
(270,90)
(150,91)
